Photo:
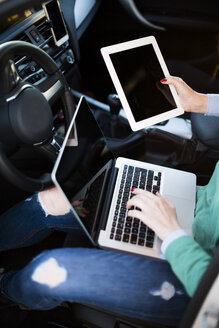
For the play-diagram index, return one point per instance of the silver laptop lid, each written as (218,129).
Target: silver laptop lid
(84,152)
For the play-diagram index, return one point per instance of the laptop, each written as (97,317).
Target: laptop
(97,186)
(136,68)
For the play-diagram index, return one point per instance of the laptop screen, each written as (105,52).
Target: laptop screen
(85,153)
(139,72)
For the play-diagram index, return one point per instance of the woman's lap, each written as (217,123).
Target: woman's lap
(130,285)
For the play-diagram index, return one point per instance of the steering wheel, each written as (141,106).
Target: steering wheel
(25,114)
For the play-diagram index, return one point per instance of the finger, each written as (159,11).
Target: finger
(136,201)
(82,215)
(167,203)
(164,198)
(77,202)
(146,193)
(145,197)
(143,200)
(138,215)
(174,80)
(142,217)
(83,212)
(178,83)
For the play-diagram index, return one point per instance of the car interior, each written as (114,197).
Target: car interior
(41,83)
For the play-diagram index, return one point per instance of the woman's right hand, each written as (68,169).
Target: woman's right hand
(154,211)
(190,100)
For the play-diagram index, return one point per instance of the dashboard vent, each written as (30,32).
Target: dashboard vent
(44,29)
(22,37)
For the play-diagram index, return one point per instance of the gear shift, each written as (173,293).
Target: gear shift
(113,125)
(118,127)
(115,104)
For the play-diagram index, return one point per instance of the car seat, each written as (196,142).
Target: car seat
(205,129)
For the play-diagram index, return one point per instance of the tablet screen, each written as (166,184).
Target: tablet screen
(139,73)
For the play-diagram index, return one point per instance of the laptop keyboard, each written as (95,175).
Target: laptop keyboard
(127,229)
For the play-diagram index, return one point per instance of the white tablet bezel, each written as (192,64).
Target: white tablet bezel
(107,51)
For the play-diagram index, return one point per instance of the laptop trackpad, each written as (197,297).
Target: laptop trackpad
(185,211)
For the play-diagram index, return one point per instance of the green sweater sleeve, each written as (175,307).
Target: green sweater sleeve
(188,261)
(188,257)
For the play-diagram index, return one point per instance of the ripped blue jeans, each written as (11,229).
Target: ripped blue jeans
(130,285)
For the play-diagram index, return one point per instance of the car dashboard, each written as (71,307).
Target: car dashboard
(31,25)
(27,21)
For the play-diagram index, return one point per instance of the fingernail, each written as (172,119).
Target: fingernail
(163,80)
(81,200)
(132,189)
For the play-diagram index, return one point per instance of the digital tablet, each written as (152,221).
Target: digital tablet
(136,68)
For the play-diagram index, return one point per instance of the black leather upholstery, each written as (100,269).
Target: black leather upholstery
(206,129)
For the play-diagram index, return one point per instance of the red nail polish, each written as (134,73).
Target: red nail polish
(163,80)
(81,200)
(132,189)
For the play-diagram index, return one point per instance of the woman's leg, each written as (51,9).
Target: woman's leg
(29,222)
(130,285)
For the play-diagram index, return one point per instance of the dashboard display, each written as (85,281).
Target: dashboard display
(14,19)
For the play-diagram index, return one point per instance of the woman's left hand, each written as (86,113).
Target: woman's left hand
(78,206)
(155,211)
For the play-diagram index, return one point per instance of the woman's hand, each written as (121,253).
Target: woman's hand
(190,100)
(155,211)
(78,206)
(54,203)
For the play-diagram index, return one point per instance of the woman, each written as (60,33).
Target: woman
(134,286)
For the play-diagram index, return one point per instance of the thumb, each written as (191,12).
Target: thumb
(177,82)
